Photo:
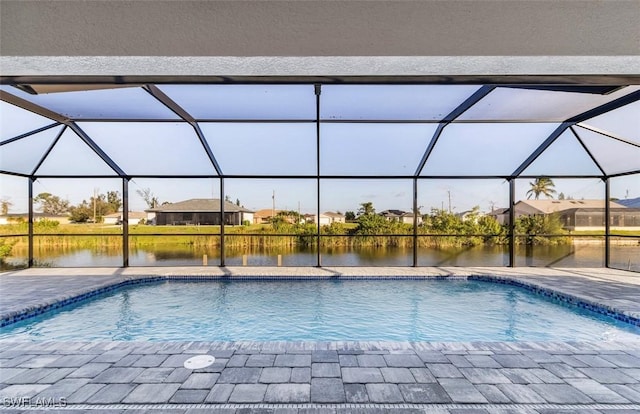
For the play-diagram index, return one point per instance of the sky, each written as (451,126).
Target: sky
(473,146)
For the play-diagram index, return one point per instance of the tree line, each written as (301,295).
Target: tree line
(437,228)
(92,209)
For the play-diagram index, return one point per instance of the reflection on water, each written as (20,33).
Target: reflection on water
(571,255)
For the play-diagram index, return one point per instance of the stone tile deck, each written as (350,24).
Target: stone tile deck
(321,377)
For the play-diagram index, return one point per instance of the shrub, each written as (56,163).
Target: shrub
(46,224)
(536,226)
(5,249)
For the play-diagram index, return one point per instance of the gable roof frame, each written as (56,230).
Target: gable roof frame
(602,109)
(61,119)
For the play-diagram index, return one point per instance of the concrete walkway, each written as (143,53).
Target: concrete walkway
(321,377)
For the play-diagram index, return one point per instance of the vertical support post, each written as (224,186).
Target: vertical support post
(125,222)
(317,89)
(415,222)
(30,254)
(607,223)
(222,256)
(512,222)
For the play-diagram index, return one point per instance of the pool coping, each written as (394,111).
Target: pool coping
(591,376)
(554,293)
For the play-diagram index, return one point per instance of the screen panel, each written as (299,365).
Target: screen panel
(79,205)
(560,222)
(152,148)
(623,122)
(613,156)
(484,149)
(15,121)
(214,102)
(23,155)
(459,196)
(73,157)
(263,148)
(516,104)
(392,102)
(554,160)
(373,149)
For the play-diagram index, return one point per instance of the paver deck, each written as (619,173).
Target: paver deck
(321,377)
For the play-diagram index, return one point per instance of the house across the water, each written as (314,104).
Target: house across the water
(334,217)
(135,217)
(400,215)
(576,214)
(264,216)
(198,211)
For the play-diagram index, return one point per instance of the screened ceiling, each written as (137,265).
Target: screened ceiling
(319,130)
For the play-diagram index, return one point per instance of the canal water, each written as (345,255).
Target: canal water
(570,255)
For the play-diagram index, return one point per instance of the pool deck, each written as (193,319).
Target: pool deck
(321,377)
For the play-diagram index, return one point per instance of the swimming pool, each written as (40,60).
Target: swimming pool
(388,310)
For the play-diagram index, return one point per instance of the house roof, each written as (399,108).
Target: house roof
(392,213)
(552,206)
(265,212)
(632,202)
(464,213)
(207,205)
(332,214)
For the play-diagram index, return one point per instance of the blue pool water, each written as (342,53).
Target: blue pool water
(395,310)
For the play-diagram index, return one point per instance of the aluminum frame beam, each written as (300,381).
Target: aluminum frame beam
(222,235)
(607,224)
(588,89)
(32,107)
(512,222)
(504,79)
(623,174)
(125,222)
(607,134)
(28,134)
(317,89)
(30,221)
(15,174)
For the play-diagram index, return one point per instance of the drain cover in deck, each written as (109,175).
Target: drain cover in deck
(199,361)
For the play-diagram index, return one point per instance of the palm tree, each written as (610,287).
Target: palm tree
(5,205)
(542,185)
(366,209)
